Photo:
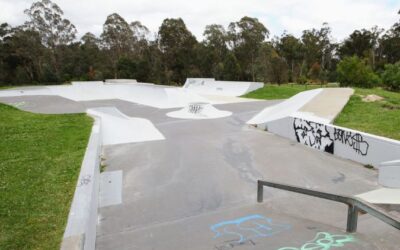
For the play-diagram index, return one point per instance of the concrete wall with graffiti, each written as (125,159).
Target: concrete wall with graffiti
(346,143)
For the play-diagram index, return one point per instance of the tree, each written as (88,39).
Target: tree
(117,38)
(90,40)
(23,55)
(391,76)
(246,38)
(291,49)
(177,45)
(318,47)
(390,44)
(46,18)
(362,43)
(231,68)
(352,71)
(214,50)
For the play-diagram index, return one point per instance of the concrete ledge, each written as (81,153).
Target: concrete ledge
(80,232)
(347,143)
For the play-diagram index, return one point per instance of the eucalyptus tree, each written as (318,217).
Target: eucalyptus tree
(319,50)
(22,54)
(90,40)
(390,44)
(292,50)
(362,43)
(117,39)
(47,19)
(177,45)
(246,37)
(215,49)
(140,39)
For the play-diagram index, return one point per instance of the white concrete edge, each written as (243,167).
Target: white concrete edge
(381,149)
(80,232)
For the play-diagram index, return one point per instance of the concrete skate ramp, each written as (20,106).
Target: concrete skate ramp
(206,86)
(118,128)
(284,109)
(145,94)
(199,111)
(320,105)
(121,81)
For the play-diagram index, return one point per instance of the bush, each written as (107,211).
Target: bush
(352,71)
(302,79)
(391,76)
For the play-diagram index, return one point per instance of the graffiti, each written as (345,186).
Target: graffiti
(324,241)
(354,140)
(84,180)
(313,134)
(246,228)
(195,108)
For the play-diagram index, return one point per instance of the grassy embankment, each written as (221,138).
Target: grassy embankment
(40,159)
(379,117)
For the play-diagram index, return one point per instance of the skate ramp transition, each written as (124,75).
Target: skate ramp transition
(209,86)
(118,128)
(321,105)
(141,93)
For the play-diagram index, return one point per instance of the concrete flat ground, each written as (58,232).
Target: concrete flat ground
(188,191)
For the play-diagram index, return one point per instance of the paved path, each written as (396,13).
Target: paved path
(329,103)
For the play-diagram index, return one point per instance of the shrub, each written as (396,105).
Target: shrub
(302,79)
(352,71)
(391,76)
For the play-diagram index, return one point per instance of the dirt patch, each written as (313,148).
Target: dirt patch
(372,98)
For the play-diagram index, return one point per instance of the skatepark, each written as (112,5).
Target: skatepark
(182,167)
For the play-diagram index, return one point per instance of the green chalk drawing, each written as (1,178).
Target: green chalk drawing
(324,241)
(18,104)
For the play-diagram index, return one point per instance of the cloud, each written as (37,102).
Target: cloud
(292,15)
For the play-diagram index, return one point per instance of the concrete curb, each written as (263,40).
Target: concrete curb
(80,232)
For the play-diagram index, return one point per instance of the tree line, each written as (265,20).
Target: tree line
(45,49)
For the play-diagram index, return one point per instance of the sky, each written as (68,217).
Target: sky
(293,16)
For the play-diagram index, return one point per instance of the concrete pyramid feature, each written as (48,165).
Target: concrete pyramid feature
(199,110)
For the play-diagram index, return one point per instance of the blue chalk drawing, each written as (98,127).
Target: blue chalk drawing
(248,227)
(324,241)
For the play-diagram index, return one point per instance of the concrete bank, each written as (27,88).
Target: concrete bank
(80,232)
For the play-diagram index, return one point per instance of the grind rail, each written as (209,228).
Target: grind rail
(354,205)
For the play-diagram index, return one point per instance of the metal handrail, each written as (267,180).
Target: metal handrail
(355,205)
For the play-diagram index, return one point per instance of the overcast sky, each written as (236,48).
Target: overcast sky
(277,15)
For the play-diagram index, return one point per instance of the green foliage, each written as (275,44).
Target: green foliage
(379,118)
(284,91)
(44,50)
(177,45)
(352,71)
(391,76)
(302,80)
(41,157)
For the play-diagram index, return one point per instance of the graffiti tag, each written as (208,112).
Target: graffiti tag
(85,180)
(354,140)
(195,108)
(313,134)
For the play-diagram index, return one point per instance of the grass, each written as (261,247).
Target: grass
(40,159)
(379,118)
(283,91)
